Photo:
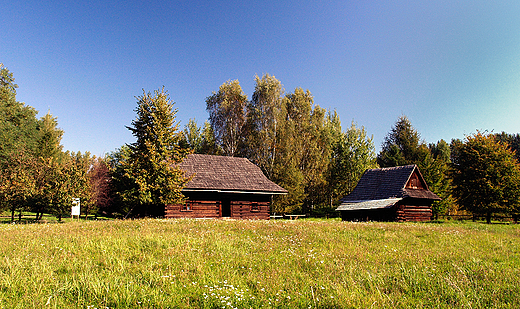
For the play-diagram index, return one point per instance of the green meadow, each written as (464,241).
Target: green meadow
(259,264)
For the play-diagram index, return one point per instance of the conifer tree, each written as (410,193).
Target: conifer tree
(153,159)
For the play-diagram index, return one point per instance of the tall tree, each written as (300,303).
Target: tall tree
(153,158)
(199,139)
(49,139)
(305,148)
(191,136)
(18,135)
(402,145)
(17,181)
(486,176)
(436,174)
(66,179)
(353,153)
(263,119)
(227,116)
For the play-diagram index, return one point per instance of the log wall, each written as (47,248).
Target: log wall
(413,213)
(245,210)
(198,209)
(211,209)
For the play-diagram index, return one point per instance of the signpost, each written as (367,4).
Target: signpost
(76,207)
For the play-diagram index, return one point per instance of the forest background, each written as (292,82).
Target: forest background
(295,142)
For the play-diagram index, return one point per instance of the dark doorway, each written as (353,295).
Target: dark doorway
(225,209)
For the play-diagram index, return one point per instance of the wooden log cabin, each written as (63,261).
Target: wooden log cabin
(224,187)
(389,194)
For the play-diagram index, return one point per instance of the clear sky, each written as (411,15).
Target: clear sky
(452,67)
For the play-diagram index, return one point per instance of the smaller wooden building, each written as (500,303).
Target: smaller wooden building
(224,187)
(389,194)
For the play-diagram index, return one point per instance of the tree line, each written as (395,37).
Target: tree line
(295,142)
(36,175)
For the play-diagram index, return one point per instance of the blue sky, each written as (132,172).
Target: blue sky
(452,67)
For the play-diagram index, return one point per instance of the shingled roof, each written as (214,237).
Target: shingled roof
(383,187)
(231,174)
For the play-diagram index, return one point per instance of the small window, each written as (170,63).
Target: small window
(186,206)
(255,207)
(413,183)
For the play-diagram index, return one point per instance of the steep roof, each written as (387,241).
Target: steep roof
(230,174)
(386,186)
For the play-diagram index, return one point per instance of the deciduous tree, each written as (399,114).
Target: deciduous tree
(353,153)
(263,120)
(486,176)
(18,135)
(227,116)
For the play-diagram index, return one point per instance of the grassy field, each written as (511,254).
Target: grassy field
(259,264)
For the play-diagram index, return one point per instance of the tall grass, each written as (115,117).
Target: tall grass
(259,264)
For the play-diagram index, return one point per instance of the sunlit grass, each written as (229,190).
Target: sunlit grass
(259,264)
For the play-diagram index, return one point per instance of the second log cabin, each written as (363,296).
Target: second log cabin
(389,194)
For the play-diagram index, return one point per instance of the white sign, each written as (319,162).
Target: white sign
(76,207)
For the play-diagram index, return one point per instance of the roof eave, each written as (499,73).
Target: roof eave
(234,191)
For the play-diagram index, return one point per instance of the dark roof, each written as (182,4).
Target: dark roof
(226,174)
(386,183)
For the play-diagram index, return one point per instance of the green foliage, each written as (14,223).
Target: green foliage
(227,116)
(304,151)
(353,153)
(17,182)
(403,146)
(436,174)
(20,142)
(486,176)
(512,141)
(263,123)
(49,141)
(65,180)
(199,139)
(292,140)
(121,185)
(151,164)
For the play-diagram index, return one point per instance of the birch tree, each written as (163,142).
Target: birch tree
(227,116)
